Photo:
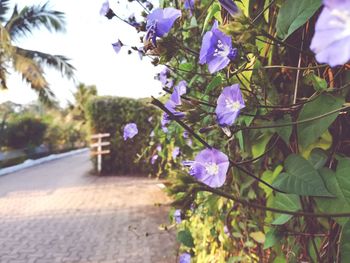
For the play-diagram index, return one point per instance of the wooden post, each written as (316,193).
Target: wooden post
(99,144)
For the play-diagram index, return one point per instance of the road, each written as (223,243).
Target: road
(59,212)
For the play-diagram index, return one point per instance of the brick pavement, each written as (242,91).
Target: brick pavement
(57,212)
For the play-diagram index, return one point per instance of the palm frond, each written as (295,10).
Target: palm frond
(32,17)
(3,72)
(57,62)
(4,7)
(33,74)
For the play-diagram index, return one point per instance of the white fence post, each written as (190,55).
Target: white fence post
(99,144)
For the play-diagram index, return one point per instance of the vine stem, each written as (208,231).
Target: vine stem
(266,208)
(298,71)
(293,122)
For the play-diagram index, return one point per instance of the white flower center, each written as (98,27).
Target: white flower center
(212,168)
(233,105)
(221,49)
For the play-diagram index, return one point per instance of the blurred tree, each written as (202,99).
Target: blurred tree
(82,95)
(29,63)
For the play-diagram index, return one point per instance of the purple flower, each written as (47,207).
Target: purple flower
(154,158)
(229,6)
(160,21)
(179,90)
(331,41)
(117,46)
(227,231)
(152,134)
(176,152)
(173,102)
(163,76)
(185,258)
(185,134)
(130,130)
(209,167)
(229,103)
(106,10)
(177,216)
(189,5)
(141,53)
(216,50)
(159,148)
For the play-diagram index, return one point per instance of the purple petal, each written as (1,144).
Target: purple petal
(331,41)
(130,130)
(229,103)
(229,6)
(117,46)
(177,216)
(163,18)
(185,258)
(104,8)
(210,167)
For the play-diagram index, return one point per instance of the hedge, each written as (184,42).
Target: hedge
(109,115)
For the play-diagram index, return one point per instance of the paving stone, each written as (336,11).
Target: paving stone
(58,212)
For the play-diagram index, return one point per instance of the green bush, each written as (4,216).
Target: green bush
(25,131)
(110,115)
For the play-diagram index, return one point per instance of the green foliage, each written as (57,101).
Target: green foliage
(25,132)
(309,132)
(301,178)
(110,115)
(345,243)
(293,134)
(293,14)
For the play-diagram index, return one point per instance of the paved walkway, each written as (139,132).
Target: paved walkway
(57,212)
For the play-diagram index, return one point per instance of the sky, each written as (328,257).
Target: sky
(87,42)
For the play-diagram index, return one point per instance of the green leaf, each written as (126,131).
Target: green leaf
(318,158)
(287,202)
(285,131)
(213,11)
(345,243)
(185,238)
(310,131)
(300,178)
(186,66)
(338,183)
(318,83)
(215,82)
(259,145)
(293,14)
(269,176)
(271,238)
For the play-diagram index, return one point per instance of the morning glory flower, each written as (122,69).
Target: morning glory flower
(154,159)
(210,167)
(229,103)
(331,41)
(179,90)
(130,130)
(176,152)
(216,50)
(160,21)
(177,216)
(173,102)
(117,46)
(185,258)
(229,6)
(189,5)
(106,10)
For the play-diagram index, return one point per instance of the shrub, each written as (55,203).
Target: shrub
(109,115)
(25,131)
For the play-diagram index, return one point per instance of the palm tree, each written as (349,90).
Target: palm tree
(82,95)
(29,63)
